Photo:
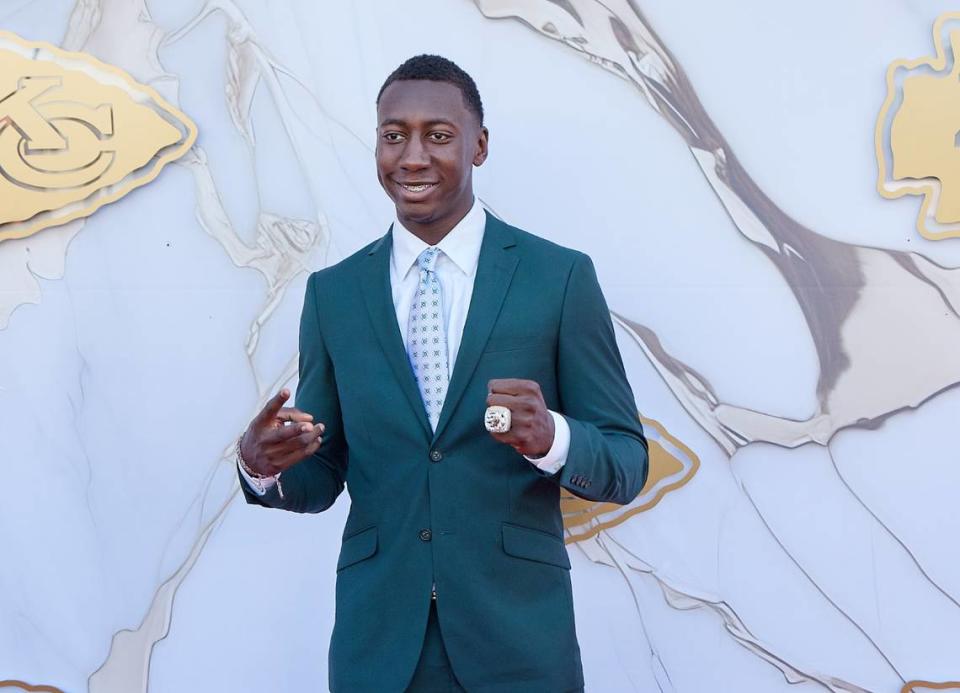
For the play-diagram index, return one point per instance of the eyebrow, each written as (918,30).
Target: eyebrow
(435,121)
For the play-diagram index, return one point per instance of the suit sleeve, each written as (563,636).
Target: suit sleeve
(607,458)
(313,484)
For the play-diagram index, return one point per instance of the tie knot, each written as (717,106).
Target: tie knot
(427,260)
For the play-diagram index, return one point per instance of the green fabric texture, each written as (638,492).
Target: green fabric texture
(495,547)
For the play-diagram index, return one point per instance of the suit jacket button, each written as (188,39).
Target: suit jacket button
(425,535)
(436,455)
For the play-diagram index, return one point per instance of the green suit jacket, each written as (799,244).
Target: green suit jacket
(456,507)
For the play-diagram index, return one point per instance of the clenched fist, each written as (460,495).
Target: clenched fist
(531,425)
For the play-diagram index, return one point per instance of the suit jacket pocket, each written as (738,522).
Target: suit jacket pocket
(357,547)
(535,545)
(499,344)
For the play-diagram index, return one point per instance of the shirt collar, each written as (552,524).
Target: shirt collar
(461,244)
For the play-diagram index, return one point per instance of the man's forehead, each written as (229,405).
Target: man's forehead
(422,100)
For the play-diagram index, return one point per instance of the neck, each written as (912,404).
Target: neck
(433,231)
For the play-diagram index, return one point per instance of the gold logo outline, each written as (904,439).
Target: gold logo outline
(13,683)
(578,512)
(135,178)
(929,189)
(909,686)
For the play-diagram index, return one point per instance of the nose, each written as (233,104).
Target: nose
(415,156)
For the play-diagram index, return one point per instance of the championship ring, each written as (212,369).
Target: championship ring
(497,419)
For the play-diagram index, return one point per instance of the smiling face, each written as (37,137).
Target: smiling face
(428,142)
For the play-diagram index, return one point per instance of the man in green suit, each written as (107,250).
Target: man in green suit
(453,574)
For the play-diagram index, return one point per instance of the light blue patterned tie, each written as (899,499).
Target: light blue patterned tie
(427,338)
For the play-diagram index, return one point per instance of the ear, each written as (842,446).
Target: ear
(483,142)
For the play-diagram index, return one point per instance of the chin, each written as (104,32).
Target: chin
(416,212)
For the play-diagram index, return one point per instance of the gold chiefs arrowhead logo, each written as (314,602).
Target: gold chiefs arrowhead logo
(672,465)
(917,136)
(75,134)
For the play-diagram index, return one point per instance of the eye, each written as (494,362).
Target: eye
(440,136)
(392,136)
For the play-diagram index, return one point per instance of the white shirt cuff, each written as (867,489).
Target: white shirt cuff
(258,486)
(556,456)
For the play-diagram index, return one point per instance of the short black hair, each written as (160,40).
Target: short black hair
(438,69)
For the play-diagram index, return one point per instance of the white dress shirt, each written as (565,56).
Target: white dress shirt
(456,269)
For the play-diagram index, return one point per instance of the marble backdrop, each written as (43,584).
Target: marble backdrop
(788,329)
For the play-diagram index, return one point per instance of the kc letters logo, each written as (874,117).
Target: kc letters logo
(75,134)
(918,132)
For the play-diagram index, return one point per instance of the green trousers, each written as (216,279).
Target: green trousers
(433,673)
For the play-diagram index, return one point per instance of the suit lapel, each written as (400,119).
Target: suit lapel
(375,284)
(495,270)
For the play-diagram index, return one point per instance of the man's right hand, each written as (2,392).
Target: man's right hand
(279,437)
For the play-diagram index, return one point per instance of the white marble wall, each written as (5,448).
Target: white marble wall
(816,545)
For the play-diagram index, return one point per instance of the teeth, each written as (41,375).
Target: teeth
(418,188)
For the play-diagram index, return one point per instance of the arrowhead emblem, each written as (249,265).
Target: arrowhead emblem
(75,134)
(917,137)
